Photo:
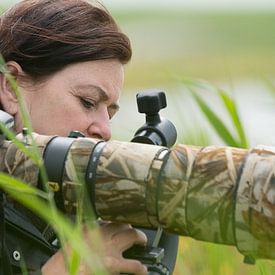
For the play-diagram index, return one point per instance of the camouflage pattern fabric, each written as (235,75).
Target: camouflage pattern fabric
(216,194)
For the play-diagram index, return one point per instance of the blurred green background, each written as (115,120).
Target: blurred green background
(233,49)
(218,46)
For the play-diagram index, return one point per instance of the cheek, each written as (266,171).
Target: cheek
(70,118)
(59,119)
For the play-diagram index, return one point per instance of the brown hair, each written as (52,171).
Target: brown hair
(44,36)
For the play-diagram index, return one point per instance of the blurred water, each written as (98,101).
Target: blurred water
(256,105)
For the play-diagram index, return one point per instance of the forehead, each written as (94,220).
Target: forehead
(110,70)
(103,76)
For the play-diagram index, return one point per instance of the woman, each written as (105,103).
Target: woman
(68,58)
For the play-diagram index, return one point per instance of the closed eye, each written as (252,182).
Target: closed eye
(88,104)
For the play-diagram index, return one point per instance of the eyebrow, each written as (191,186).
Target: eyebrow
(102,94)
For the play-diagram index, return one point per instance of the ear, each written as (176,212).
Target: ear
(8,98)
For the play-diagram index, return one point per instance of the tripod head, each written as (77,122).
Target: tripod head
(156,130)
(161,252)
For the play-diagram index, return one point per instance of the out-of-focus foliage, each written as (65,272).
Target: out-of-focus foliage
(237,139)
(217,46)
(210,45)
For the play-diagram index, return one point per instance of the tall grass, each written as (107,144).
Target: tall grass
(200,258)
(41,202)
(194,257)
(212,46)
(238,137)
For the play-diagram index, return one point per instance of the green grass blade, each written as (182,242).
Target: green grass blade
(37,201)
(29,151)
(22,106)
(233,113)
(14,185)
(74,263)
(32,153)
(42,203)
(214,120)
(220,128)
(269,85)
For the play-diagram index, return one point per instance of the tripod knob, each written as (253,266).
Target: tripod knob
(156,130)
(151,102)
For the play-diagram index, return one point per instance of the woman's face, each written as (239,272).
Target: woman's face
(82,96)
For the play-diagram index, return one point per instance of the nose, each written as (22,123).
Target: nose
(100,125)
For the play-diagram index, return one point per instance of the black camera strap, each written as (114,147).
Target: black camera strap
(6,265)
